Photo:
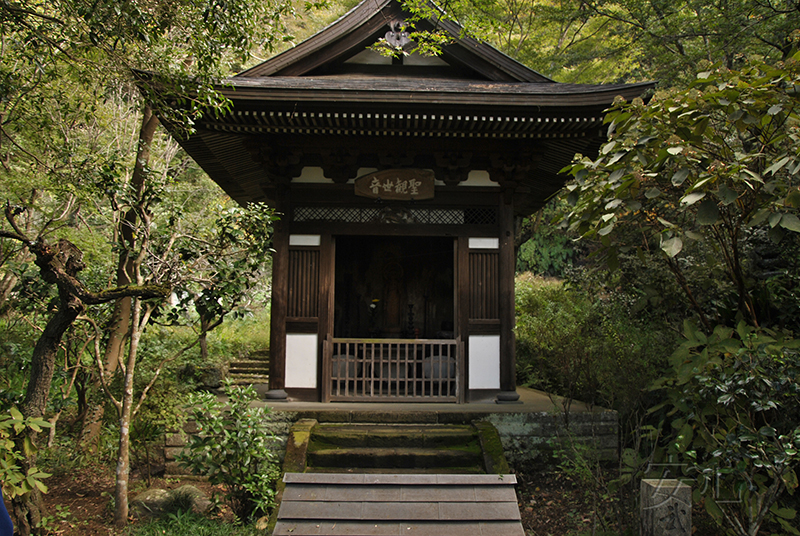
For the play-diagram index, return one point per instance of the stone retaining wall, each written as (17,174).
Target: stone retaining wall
(528,438)
(532,438)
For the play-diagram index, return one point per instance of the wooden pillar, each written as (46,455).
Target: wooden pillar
(278,310)
(507,269)
(326,307)
(462,301)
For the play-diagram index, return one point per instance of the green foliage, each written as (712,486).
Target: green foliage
(234,257)
(574,345)
(564,40)
(545,249)
(16,341)
(670,39)
(233,447)
(735,398)
(15,479)
(704,165)
(191,524)
(546,253)
(240,335)
(577,462)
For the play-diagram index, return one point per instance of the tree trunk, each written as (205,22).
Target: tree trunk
(123,455)
(115,349)
(90,435)
(27,509)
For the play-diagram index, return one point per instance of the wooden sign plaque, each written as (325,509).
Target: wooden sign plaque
(396,184)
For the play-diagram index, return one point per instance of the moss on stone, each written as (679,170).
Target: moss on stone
(493,456)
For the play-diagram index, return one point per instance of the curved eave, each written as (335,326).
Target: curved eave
(400,92)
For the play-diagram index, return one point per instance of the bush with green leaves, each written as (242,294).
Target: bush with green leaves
(15,479)
(234,447)
(565,334)
(735,398)
(545,249)
(574,343)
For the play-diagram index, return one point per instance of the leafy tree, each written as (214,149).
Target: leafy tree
(698,180)
(59,265)
(710,165)
(71,55)
(736,407)
(543,248)
(563,40)
(670,39)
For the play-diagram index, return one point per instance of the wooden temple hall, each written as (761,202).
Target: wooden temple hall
(398,182)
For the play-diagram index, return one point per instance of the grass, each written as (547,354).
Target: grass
(240,336)
(191,524)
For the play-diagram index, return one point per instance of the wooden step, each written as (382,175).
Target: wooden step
(428,504)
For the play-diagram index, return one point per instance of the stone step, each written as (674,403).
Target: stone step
(471,470)
(248,366)
(389,459)
(244,379)
(397,435)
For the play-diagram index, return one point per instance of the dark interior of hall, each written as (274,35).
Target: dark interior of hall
(394,287)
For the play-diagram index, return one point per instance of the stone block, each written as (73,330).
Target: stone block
(175,440)
(171,453)
(666,508)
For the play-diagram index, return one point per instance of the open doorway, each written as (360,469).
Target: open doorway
(394,287)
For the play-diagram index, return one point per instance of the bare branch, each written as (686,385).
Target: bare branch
(99,361)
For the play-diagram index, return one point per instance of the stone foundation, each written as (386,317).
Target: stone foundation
(527,438)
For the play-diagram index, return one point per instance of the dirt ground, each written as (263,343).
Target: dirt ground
(80,504)
(551,504)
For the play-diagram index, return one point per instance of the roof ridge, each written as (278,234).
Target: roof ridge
(363,25)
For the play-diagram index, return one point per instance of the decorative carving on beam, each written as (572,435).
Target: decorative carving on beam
(394,215)
(396,159)
(280,164)
(510,171)
(453,167)
(397,36)
(340,165)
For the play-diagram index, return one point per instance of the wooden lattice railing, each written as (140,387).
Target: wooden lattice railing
(403,370)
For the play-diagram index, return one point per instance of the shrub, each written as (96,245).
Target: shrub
(735,396)
(575,346)
(233,447)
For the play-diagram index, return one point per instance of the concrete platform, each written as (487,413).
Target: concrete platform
(530,401)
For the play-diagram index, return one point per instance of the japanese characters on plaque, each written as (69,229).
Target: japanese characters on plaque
(396,184)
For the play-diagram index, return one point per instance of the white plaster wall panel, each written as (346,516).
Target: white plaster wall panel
(484,362)
(312,175)
(304,240)
(301,360)
(484,243)
(479,177)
